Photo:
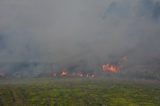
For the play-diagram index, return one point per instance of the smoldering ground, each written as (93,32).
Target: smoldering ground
(84,33)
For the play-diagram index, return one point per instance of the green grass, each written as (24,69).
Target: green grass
(79,92)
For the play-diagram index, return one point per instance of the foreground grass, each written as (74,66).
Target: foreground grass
(79,92)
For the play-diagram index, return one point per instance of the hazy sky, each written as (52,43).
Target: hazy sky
(73,30)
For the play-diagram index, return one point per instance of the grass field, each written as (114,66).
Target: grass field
(79,92)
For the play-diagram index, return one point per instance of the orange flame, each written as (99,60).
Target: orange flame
(64,73)
(110,68)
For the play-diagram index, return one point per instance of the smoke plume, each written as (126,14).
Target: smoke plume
(77,34)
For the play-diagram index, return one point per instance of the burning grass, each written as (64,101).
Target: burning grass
(79,92)
(110,68)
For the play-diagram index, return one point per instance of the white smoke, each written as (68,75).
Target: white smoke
(73,30)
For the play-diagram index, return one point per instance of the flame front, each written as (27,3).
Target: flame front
(110,68)
(64,72)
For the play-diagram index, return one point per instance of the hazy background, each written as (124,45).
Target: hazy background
(38,36)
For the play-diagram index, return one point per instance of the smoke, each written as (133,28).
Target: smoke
(86,33)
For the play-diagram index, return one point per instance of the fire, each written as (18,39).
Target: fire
(64,73)
(110,68)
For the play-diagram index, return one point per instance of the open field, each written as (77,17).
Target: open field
(79,92)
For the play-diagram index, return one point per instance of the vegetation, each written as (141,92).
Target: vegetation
(79,92)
